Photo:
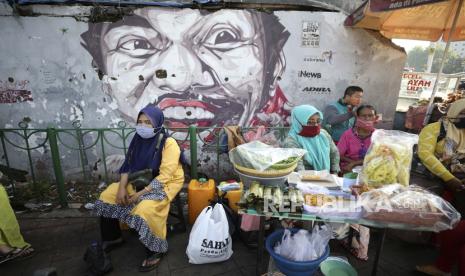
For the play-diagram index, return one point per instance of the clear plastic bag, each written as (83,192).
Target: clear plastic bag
(412,205)
(259,156)
(389,158)
(303,246)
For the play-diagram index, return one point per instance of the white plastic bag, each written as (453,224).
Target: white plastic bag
(209,240)
(303,246)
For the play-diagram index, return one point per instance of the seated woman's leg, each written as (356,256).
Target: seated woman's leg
(462,261)
(12,244)
(149,219)
(110,213)
(10,235)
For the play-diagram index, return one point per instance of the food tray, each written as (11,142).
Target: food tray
(311,175)
(418,218)
(265,181)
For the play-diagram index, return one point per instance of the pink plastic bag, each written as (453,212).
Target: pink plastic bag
(261,135)
(255,135)
(250,223)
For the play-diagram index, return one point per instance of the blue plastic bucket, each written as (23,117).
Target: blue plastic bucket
(288,267)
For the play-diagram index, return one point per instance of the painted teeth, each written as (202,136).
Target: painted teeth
(182,113)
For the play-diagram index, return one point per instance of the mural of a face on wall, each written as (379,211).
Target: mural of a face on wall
(203,68)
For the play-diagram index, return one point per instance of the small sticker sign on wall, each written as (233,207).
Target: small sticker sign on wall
(310,34)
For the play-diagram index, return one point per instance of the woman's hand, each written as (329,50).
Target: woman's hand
(357,190)
(352,164)
(349,166)
(135,197)
(455,185)
(122,196)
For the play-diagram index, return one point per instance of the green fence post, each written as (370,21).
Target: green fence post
(101,133)
(193,149)
(24,126)
(52,138)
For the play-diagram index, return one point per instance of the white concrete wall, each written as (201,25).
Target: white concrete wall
(46,75)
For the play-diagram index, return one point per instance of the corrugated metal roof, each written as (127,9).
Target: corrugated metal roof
(169,3)
(330,5)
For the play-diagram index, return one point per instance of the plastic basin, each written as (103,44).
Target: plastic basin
(288,267)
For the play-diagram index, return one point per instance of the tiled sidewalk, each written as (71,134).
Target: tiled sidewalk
(61,242)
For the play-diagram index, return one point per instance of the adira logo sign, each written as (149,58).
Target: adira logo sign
(317,89)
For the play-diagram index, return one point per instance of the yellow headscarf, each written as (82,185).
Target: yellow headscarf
(452,132)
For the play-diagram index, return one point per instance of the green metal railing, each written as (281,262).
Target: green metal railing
(55,141)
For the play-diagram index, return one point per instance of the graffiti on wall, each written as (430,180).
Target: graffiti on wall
(202,68)
(12,91)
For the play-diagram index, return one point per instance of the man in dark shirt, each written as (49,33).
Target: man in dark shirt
(339,116)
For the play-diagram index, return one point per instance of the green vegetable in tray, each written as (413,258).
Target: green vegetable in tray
(284,164)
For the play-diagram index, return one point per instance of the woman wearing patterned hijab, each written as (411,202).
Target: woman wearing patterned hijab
(145,211)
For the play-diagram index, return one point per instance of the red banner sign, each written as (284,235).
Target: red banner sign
(388,5)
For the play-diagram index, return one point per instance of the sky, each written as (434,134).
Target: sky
(408,44)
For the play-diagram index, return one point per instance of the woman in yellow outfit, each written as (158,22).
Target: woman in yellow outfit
(12,244)
(145,211)
(441,148)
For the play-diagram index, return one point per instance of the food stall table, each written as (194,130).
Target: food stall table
(326,218)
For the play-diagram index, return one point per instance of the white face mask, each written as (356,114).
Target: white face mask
(146,132)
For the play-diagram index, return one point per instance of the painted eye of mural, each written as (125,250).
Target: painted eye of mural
(135,44)
(137,47)
(223,39)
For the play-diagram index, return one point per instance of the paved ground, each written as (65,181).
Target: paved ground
(61,242)
(60,238)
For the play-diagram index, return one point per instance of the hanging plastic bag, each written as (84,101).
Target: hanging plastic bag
(209,240)
(260,134)
(254,135)
(250,223)
(389,158)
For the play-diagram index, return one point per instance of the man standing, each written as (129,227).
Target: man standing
(339,116)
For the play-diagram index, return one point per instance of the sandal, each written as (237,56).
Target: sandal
(431,270)
(154,259)
(352,250)
(18,253)
(26,253)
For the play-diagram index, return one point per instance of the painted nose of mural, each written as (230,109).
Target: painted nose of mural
(178,69)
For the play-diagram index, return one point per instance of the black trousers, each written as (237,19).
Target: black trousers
(109,229)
